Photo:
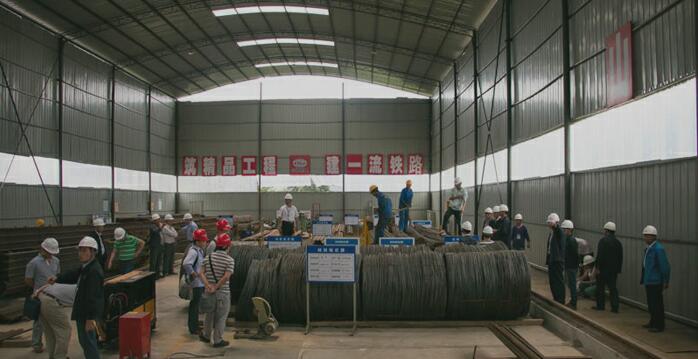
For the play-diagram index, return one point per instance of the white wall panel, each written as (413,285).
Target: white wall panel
(542,156)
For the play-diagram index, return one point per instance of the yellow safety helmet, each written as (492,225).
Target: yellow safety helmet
(40,222)
(373,188)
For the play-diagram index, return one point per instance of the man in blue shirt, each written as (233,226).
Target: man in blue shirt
(192,269)
(655,277)
(385,212)
(405,205)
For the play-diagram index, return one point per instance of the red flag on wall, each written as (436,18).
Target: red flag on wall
(354,164)
(269,166)
(375,164)
(249,165)
(415,164)
(190,166)
(333,164)
(209,166)
(619,66)
(299,164)
(228,166)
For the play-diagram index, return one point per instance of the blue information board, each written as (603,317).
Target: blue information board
(452,239)
(322,228)
(345,241)
(396,241)
(330,264)
(422,222)
(284,241)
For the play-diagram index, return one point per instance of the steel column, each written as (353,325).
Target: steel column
(455,124)
(441,153)
(566,106)
(259,155)
(176,159)
(476,131)
(61,48)
(344,154)
(507,20)
(148,146)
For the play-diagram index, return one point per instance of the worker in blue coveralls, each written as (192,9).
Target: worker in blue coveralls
(405,205)
(385,212)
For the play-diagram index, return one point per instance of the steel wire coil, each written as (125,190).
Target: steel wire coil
(374,249)
(243,256)
(261,282)
(460,247)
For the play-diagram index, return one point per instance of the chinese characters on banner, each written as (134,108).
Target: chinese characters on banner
(269,166)
(249,165)
(415,164)
(355,164)
(190,166)
(375,164)
(228,166)
(619,66)
(333,165)
(208,165)
(396,164)
(299,164)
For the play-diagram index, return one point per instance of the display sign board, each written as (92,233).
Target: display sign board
(619,66)
(351,219)
(322,228)
(343,241)
(452,239)
(283,241)
(333,164)
(331,264)
(329,217)
(396,241)
(299,164)
(354,164)
(249,165)
(426,223)
(270,166)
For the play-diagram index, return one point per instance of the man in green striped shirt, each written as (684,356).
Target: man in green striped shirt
(128,248)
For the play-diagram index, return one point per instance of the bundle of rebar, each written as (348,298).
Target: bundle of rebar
(373,250)
(243,256)
(261,281)
(460,247)
(487,285)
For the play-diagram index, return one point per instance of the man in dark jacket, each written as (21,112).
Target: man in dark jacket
(155,245)
(609,261)
(503,231)
(385,213)
(655,277)
(555,258)
(98,223)
(571,261)
(89,298)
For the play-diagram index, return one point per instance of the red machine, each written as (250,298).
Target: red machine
(134,335)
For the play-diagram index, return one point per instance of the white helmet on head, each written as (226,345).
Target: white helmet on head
(155,217)
(467,226)
(495,209)
(88,242)
(503,208)
(187,216)
(50,245)
(488,210)
(651,230)
(553,218)
(518,216)
(588,260)
(567,224)
(610,226)
(487,231)
(168,217)
(457,181)
(119,233)
(288,196)
(97,222)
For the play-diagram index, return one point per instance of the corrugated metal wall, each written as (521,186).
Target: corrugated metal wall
(162,133)
(659,193)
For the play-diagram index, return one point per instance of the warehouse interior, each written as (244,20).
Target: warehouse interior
(584,108)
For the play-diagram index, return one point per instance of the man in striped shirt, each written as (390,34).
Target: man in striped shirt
(218,267)
(128,248)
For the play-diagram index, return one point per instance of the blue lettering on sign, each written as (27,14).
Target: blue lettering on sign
(322,222)
(340,240)
(331,249)
(452,239)
(422,222)
(396,241)
(283,239)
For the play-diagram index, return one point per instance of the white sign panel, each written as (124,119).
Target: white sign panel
(322,228)
(330,264)
(351,219)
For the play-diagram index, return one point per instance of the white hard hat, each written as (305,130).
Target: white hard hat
(187,216)
(467,226)
(553,218)
(488,210)
(288,196)
(588,260)
(168,217)
(503,208)
(50,245)
(98,222)
(650,230)
(495,209)
(567,224)
(487,230)
(518,216)
(155,217)
(610,226)
(88,242)
(119,233)
(457,181)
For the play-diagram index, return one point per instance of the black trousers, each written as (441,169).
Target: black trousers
(193,319)
(655,305)
(286,228)
(156,254)
(557,281)
(456,214)
(603,281)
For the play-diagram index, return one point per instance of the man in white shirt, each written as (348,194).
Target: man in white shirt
(288,216)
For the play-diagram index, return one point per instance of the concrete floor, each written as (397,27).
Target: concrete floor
(171,337)
(678,341)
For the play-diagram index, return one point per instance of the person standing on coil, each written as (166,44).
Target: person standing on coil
(288,216)
(385,213)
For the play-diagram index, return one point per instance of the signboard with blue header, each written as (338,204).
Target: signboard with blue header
(351,219)
(396,241)
(322,228)
(284,241)
(343,241)
(330,264)
(326,217)
(426,223)
(452,239)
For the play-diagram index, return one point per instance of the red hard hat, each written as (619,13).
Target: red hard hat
(223,240)
(200,235)
(222,225)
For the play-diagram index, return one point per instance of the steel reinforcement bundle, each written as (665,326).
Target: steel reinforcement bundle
(460,248)
(243,256)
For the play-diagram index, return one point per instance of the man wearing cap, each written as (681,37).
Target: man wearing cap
(222,228)
(218,267)
(98,223)
(519,234)
(655,277)
(191,266)
(586,281)
(288,216)
(405,205)
(189,227)
(385,213)
(503,231)
(555,258)
(571,261)
(466,231)
(494,221)
(609,261)
(89,297)
(155,244)
(169,242)
(454,205)
(489,215)
(42,267)
(487,234)
(127,248)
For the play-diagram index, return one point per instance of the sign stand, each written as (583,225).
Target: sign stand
(330,264)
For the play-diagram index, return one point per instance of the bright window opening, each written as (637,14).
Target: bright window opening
(297,63)
(244,10)
(285,40)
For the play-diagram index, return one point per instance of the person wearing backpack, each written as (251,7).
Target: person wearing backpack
(218,267)
(192,265)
